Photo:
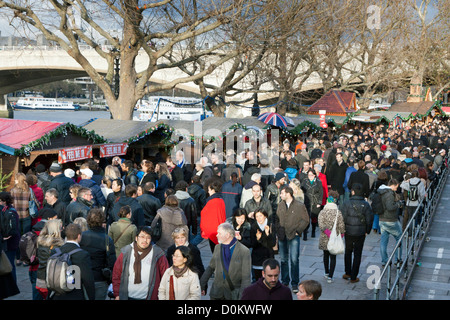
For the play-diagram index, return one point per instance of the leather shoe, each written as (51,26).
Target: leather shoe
(346,277)
(354,281)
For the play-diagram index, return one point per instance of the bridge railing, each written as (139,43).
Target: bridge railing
(396,277)
(49,48)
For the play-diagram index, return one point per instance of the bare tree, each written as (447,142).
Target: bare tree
(153,28)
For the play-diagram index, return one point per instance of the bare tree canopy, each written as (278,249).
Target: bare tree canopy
(162,29)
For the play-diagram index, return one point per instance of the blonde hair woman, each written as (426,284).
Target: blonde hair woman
(49,238)
(298,192)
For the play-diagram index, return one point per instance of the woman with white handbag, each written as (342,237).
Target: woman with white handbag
(332,227)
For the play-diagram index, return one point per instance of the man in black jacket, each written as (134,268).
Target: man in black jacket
(150,204)
(336,176)
(360,177)
(112,198)
(129,198)
(187,204)
(52,202)
(82,260)
(80,207)
(60,182)
(101,251)
(358,219)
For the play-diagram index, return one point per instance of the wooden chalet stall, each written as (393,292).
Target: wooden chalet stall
(335,103)
(26,143)
(423,111)
(144,140)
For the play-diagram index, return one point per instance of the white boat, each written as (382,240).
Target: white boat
(41,103)
(172,108)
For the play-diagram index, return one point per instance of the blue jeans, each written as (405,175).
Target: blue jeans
(389,228)
(290,256)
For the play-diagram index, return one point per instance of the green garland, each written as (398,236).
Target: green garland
(63,129)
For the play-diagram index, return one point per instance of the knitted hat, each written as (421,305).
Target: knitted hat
(55,167)
(69,173)
(87,172)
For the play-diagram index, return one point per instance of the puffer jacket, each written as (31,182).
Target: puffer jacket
(358,216)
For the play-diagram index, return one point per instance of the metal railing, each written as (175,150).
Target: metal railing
(396,277)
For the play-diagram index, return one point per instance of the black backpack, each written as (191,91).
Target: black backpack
(28,248)
(8,223)
(376,203)
(413,193)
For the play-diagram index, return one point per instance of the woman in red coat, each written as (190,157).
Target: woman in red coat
(323,178)
(213,214)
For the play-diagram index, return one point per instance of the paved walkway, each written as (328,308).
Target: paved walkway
(311,267)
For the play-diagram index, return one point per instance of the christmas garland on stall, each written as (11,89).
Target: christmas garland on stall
(63,129)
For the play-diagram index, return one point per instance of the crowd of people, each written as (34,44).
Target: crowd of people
(139,224)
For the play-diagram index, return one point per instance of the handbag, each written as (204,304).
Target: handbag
(335,243)
(157,230)
(5,265)
(33,207)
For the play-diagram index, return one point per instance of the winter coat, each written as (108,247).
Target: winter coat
(362,178)
(177,176)
(20,202)
(122,232)
(313,195)
(150,205)
(137,213)
(244,231)
(186,287)
(196,256)
(130,177)
(239,270)
(293,220)
(231,195)
(197,193)
(326,221)
(172,218)
(75,209)
(405,185)
(264,204)
(336,176)
(262,248)
(187,204)
(273,195)
(246,193)
(163,183)
(101,250)
(212,215)
(121,272)
(390,204)
(98,199)
(62,184)
(358,216)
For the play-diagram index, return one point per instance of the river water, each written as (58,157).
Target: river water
(74,117)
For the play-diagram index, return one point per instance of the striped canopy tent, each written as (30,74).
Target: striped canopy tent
(275,119)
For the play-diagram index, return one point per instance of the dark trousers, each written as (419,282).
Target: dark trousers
(353,247)
(329,263)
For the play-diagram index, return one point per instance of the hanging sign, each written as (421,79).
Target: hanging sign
(74,154)
(323,123)
(114,149)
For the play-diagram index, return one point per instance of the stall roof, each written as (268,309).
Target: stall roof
(15,133)
(117,131)
(21,137)
(420,108)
